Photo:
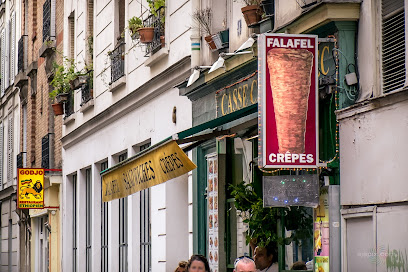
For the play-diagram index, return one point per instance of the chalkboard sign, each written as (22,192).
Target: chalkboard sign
(284,191)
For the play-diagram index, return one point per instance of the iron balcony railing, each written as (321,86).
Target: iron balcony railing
(158,23)
(22,54)
(118,62)
(69,105)
(86,91)
(45,151)
(46,20)
(21,159)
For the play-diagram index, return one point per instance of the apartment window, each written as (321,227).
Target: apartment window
(88,192)
(393,45)
(74,224)
(145,226)
(123,228)
(90,31)
(104,229)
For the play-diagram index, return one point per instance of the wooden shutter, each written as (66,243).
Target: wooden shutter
(6,48)
(1,155)
(393,44)
(3,59)
(10,150)
(12,48)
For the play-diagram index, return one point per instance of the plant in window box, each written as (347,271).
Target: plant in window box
(134,24)
(203,18)
(262,222)
(252,12)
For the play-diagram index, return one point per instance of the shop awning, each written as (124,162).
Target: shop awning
(165,160)
(163,163)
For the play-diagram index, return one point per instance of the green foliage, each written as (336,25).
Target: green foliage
(262,222)
(154,5)
(134,24)
(63,74)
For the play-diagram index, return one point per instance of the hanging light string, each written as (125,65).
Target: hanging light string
(336,100)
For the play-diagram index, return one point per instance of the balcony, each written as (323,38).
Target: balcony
(45,151)
(21,159)
(49,42)
(158,39)
(117,57)
(21,77)
(69,105)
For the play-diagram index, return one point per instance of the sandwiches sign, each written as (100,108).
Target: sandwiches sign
(288,96)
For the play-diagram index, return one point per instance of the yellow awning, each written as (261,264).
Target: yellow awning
(163,163)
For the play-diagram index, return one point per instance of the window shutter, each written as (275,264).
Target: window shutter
(3,59)
(1,155)
(393,44)
(13,48)
(6,73)
(10,150)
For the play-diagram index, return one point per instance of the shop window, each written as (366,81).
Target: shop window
(123,228)
(145,225)
(88,204)
(393,45)
(74,224)
(104,230)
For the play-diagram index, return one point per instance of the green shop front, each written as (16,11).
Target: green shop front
(225,140)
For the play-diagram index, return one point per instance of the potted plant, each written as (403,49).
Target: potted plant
(64,74)
(134,24)
(203,17)
(157,9)
(262,222)
(252,12)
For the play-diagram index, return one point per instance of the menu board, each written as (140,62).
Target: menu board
(212,199)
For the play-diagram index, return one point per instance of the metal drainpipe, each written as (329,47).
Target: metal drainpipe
(195,38)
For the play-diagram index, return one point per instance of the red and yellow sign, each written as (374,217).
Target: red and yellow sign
(288,100)
(30,188)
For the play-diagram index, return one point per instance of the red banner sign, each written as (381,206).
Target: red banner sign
(288,103)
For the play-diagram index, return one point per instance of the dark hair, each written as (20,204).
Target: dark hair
(272,248)
(299,265)
(200,258)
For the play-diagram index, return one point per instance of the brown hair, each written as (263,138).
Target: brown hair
(182,264)
(200,258)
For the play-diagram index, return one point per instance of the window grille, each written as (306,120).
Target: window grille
(88,201)
(104,230)
(158,23)
(145,226)
(393,44)
(118,62)
(45,151)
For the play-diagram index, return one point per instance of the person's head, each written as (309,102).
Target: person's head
(244,264)
(265,256)
(182,267)
(198,263)
(299,265)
